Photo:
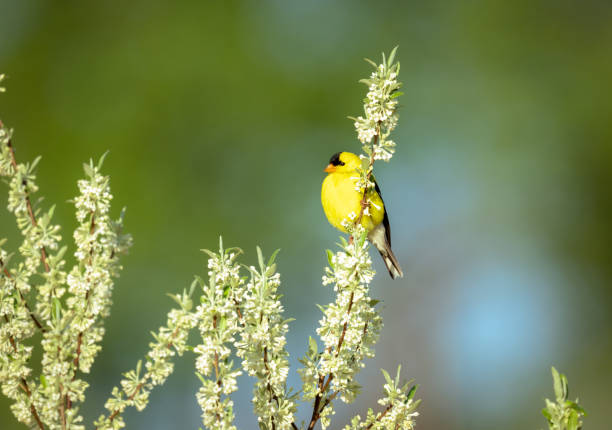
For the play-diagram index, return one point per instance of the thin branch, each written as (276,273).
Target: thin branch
(43,251)
(323,384)
(24,387)
(117,411)
(23,300)
(380,416)
(364,200)
(139,386)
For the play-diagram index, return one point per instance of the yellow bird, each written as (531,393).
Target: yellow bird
(341,201)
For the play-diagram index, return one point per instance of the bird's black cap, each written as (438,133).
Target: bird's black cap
(335,160)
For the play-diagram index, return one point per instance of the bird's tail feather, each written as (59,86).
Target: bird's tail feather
(391,262)
(379,238)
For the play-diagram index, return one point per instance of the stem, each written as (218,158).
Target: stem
(117,411)
(380,417)
(364,200)
(43,251)
(139,386)
(316,412)
(23,301)
(24,387)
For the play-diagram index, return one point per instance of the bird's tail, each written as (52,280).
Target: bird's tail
(391,262)
(378,238)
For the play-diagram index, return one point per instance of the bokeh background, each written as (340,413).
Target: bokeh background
(219,118)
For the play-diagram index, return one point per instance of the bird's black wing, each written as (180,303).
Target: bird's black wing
(386,218)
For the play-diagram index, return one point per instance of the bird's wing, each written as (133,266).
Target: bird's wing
(386,217)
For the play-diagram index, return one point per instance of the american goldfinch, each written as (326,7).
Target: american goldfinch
(342,201)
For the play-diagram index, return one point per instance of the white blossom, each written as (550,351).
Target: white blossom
(380,110)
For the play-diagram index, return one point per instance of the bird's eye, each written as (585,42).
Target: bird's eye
(335,160)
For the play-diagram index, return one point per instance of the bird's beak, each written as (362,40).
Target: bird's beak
(330,168)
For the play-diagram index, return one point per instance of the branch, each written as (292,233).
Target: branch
(43,251)
(316,412)
(380,416)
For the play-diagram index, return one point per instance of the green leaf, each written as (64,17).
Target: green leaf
(392,56)
(557,384)
(57,309)
(88,169)
(412,391)
(371,62)
(387,377)
(396,94)
(43,381)
(273,257)
(312,347)
(260,258)
(547,415)
(210,253)
(34,163)
(330,256)
(101,162)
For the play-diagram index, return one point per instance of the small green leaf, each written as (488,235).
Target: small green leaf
(558,386)
(260,258)
(273,257)
(330,256)
(392,56)
(88,169)
(43,381)
(412,391)
(57,309)
(387,377)
(312,347)
(101,162)
(371,62)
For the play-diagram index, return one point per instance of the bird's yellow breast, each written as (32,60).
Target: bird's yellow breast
(341,201)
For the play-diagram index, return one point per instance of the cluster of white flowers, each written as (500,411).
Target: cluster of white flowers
(235,318)
(349,328)
(400,408)
(68,308)
(262,347)
(40,246)
(170,340)
(380,106)
(218,323)
(75,324)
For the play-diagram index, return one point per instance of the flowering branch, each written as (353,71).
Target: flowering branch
(170,340)
(218,323)
(400,408)
(373,130)
(262,346)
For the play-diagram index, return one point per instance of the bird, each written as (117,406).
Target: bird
(342,200)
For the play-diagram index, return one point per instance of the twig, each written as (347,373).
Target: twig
(24,387)
(43,251)
(380,417)
(364,199)
(117,411)
(324,385)
(139,386)
(23,300)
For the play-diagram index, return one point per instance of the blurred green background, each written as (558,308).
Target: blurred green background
(219,118)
